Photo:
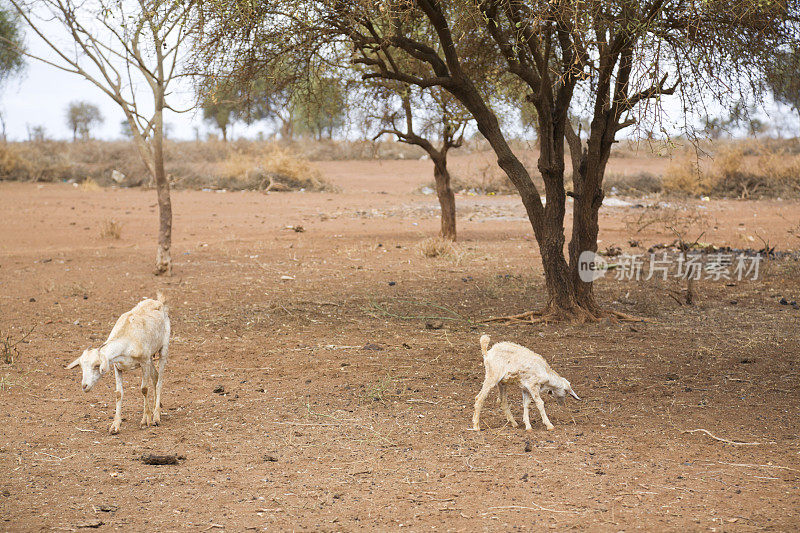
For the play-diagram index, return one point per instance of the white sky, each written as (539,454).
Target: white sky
(39,97)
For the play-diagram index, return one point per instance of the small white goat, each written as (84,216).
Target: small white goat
(508,362)
(137,336)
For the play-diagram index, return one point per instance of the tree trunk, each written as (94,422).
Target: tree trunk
(447,199)
(547,223)
(224,130)
(587,176)
(163,258)
(585,228)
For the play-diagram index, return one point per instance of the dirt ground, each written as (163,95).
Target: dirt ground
(338,409)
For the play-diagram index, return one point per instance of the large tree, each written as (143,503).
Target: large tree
(612,59)
(119,45)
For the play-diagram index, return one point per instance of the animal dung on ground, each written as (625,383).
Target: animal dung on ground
(154,459)
(373,347)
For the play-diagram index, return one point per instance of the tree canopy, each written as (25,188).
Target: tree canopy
(11,45)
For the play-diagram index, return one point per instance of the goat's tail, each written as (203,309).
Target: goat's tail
(162,299)
(485,344)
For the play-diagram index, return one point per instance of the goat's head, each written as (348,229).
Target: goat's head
(559,388)
(93,365)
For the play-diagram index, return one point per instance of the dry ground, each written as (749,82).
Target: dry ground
(314,432)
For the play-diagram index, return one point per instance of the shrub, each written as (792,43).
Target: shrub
(632,184)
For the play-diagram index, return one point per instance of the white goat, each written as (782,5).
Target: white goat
(137,336)
(508,362)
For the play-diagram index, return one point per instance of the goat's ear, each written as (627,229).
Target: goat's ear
(572,393)
(73,364)
(103,364)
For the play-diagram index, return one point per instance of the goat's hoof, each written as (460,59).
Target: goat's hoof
(113,429)
(156,422)
(550,428)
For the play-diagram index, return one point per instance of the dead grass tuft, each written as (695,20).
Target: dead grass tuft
(111,229)
(437,247)
(89,185)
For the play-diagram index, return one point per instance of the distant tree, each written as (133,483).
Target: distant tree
(434,121)
(82,117)
(36,133)
(11,47)
(125,130)
(783,77)
(221,106)
(270,98)
(320,108)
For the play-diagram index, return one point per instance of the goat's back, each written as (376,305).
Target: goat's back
(146,326)
(512,356)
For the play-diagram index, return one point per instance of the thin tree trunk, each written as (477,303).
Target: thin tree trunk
(447,199)
(163,257)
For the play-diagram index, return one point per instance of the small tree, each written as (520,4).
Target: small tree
(442,126)
(82,117)
(118,45)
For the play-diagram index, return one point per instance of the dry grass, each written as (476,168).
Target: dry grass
(211,164)
(90,185)
(632,184)
(739,171)
(667,219)
(271,167)
(438,247)
(486,178)
(111,229)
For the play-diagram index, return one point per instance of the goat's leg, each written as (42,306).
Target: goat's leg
(503,396)
(162,363)
(540,406)
(118,411)
(526,403)
(488,384)
(147,373)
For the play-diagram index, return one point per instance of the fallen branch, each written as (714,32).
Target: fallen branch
(737,443)
(536,507)
(747,465)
